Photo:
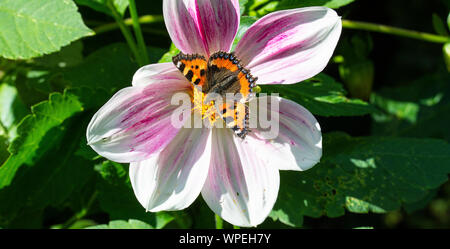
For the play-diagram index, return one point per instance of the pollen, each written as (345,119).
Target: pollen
(208,111)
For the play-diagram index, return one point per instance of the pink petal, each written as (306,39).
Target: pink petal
(173,179)
(289,46)
(157,72)
(135,122)
(240,187)
(202,26)
(298,144)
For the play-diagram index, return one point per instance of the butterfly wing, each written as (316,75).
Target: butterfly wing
(226,74)
(236,117)
(193,67)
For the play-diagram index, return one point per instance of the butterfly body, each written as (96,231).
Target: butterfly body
(221,75)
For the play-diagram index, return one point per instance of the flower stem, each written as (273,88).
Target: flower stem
(83,212)
(394,31)
(219,222)
(126,33)
(138,32)
(112,26)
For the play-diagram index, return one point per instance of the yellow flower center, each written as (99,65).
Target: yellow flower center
(206,110)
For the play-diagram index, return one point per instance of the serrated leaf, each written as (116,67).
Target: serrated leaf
(32,28)
(363,174)
(117,197)
(101,5)
(50,180)
(122,224)
(321,95)
(33,138)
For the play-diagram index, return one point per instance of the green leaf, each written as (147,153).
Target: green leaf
(33,133)
(32,28)
(102,5)
(122,224)
(69,56)
(419,109)
(4,154)
(438,25)
(321,95)
(12,110)
(363,174)
(167,57)
(292,4)
(110,68)
(50,180)
(117,197)
(242,6)
(246,22)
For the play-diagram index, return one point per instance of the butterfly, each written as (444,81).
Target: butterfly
(220,75)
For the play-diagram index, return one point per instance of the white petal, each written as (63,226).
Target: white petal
(298,144)
(135,122)
(152,73)
(202,26)
(173,179)
(240,187)
(290,46)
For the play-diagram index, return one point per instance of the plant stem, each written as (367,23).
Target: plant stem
(394,31)
(83,212)
(219,222)
(126,33)
(138,32)
(142,20)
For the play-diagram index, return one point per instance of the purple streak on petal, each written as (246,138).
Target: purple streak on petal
(240,187)
(202,26)
(173,179)
(136,122)
(290,46)
(298,144)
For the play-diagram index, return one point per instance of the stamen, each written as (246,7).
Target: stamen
(208,111)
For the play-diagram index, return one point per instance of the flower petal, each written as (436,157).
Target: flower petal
(157,72)
(173,179)
(135,122)
(240,187)
(202,26)
(298,142)
(289,46)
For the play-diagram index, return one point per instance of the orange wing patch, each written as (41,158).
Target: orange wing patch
(236,116)
(230,62)
(193,67)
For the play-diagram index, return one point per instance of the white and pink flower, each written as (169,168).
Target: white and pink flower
(238,178)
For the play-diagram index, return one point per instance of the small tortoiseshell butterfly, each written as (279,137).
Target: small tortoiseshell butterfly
(221,74)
